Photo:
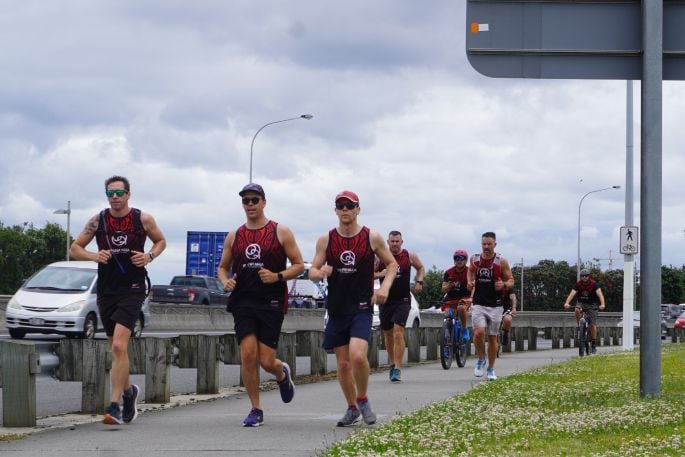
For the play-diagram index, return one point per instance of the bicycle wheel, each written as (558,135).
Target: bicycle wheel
(582,338)
(446,344)
(460,351)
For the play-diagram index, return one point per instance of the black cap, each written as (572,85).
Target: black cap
(253,187)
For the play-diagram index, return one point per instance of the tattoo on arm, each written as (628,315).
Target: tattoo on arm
(91,226)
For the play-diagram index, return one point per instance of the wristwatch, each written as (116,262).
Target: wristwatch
(419,282)
(152,256)
(280,277)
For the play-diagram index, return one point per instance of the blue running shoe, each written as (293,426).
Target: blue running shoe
(478,372)
(491,374)
(113,415)
(254,419)
(392,368)
(130,410)
(286,385)
(396,375)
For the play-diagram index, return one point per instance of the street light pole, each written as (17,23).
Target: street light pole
(579,206)
(68,213)
(303,116)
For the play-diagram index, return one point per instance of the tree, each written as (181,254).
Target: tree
(431,294)
(25,249)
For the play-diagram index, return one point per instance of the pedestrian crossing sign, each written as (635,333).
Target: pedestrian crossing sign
(629,240)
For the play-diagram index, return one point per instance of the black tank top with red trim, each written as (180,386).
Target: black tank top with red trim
(253,250)
(400,288)
(120,235)
(487,272)
(350,285)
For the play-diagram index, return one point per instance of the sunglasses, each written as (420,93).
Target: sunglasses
(253,200)
(117,192)
(459,257)
(349,206)
(584,276)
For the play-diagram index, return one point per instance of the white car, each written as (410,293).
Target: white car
(61,298)
(414,319)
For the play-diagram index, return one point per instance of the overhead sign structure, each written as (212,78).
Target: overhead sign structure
(629,240)
(568,39)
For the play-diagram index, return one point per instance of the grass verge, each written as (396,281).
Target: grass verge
(588,406)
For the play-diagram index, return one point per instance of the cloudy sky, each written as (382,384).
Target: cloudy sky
(170,94)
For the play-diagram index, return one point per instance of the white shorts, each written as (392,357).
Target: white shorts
(487,317)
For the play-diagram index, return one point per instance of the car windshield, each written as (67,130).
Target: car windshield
(61,279)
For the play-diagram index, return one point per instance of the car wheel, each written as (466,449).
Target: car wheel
(138,327)
(17,334)
(90,327)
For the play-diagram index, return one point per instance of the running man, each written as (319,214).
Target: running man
(253,268)
(345,255)
(120,233)
(509,303)
(395,311)
(489,273)
(589,296)
(455,287)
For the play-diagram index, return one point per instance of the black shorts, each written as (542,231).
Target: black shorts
(265,324)
(394,312)
(340,329)
(120,309)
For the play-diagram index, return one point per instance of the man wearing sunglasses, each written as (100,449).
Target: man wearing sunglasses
(489,273)
(589,295)
(253,267)
(455,287)
(345,256)
(120,232)
(395,311)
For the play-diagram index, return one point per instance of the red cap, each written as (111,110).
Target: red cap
(460,252)
(348,194)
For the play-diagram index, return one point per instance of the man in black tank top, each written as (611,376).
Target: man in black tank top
(120,232)
(395,311)
(253,267)
(345,257)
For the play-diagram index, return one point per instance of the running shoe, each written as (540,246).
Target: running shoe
(396,375)
(392,368)
(130,411)
(254,419)
(286,385)
(113,415)
(491,374)
(478,371)
(367,413)
(351,418)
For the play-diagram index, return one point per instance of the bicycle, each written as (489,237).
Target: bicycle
(452,344)
(582,335)
(500,334)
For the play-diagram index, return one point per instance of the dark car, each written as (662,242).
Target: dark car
(636,323)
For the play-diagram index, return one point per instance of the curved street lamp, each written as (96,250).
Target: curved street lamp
(579,205)
(303,116)
(68,213)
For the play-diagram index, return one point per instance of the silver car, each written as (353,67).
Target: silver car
(61,298)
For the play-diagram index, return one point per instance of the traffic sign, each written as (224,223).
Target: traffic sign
(629,240)
(568,39)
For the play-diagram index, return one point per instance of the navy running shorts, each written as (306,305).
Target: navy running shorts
(340,329)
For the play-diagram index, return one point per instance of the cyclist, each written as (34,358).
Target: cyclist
(454,286)
(589,295)
(509,304)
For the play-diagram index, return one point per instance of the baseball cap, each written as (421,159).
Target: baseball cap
(584,272)
(253,187)
(461,253)
(348,194)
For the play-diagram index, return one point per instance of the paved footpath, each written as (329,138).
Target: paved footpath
(302,428)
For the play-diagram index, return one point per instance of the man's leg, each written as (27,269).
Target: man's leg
(359,361)
(398,346)
(345,378)
(249,369)
(492,350)
(120,363)
(389,338)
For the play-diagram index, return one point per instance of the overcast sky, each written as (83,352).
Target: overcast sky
(170,94)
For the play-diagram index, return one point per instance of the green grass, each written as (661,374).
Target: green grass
(584,407)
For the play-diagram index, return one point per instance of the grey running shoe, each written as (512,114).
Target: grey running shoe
(130,411)
(351,418)
(113,415)
(367,413)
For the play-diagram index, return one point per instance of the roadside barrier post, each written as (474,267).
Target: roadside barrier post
(568,336)
(413,338)
(207,364)
(158,355)
(532,338)
(507,347)
(287,351)
(97,363)
(20,364)
(432,334)
(373,349)
(187,351)
(556,340)
(136,355)
(317,354)
(519,335)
